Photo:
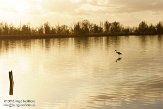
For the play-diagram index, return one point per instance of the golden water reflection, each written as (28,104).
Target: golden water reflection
(82,73)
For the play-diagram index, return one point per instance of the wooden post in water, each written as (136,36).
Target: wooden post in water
(11,83)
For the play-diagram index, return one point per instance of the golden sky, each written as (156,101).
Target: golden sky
(36,12)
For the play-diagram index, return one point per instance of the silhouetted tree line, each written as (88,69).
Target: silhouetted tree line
(83,28)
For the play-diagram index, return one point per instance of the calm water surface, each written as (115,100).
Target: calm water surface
(84,73)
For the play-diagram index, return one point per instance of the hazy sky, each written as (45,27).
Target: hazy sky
(36,12)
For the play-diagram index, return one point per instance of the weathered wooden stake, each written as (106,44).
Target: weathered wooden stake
(11,83)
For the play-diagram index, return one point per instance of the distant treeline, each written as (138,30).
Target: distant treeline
(82,28)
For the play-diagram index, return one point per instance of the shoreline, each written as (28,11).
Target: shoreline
(45,36)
